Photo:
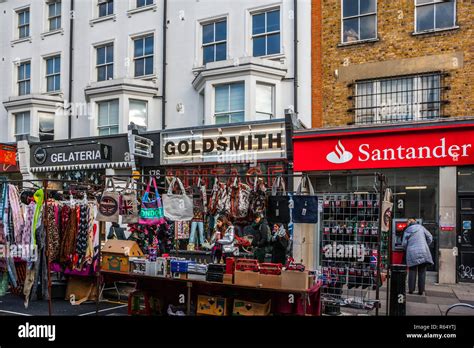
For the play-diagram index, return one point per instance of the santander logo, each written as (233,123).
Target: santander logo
(339,155)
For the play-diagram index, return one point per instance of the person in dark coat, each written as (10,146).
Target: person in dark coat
(261,231)
(416,241)
(279,242)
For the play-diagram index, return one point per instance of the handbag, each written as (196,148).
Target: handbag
(108,210)
(177,207)
(387,209)
(129,204)
(278,208)
(305,206)
(151,212)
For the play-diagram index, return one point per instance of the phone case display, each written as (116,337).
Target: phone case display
(349,249)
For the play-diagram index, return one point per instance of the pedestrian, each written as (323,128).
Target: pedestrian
(279,242)
(227,240)
(116,232)
(416,241)
(261,237)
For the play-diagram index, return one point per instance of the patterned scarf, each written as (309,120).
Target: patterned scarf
(28,225)
(82,235)
(17,216)
(53,231)
(68,241)
(39,199)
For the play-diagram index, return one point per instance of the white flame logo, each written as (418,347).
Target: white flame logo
(339,155)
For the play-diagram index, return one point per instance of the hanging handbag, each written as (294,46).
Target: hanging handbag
(278,208)
(387,209)
(151,212)
(129,204)
(305,206)
(109,204)
(178,207)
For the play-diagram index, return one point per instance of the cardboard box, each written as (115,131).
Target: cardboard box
(247,308)
(116,254)
(137,265)
(246,278)
(209,305)
(228,279)
(194,276)
(162,267)
(270,281)
(294,280)
(81,289)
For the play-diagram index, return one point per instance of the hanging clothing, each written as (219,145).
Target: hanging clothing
(68,242)
(28,225)
(82,235)
(53,230)
(16,211)
(39,199)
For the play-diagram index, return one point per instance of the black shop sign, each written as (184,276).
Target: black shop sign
(70,154)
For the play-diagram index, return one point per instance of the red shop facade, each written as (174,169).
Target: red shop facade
(430,168)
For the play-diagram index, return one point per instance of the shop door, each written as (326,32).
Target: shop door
(465,239)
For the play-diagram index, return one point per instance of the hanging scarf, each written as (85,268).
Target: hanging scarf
(17,216)
(90,235)
(28,226)
(53,230)
(82,235)
(68,242)
(39,199)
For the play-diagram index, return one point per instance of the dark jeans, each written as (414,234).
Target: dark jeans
(421,270)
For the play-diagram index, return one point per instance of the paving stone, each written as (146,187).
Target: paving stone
(422,309)
(445,294)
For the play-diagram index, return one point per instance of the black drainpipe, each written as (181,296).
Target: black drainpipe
(295,55)
(71,39)
(163,92)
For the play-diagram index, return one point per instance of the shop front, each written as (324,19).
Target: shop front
(427,166)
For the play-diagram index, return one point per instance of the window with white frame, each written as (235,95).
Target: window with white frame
(434,15)
(53,74)
(229,103)
(46,126)
(106,7)
(24,78)
(397,99)
(359,20)
(141,3)
(108,120)
(214,41)
(266,33)
(105,62)
(23,23)
(143,55)
(54,15)
(138,112)
(264,101)
(22,123)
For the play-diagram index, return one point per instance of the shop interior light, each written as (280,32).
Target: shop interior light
(399,193)
(415,187)
(464,174)
(361,193)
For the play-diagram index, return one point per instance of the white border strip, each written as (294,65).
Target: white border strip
(103,310)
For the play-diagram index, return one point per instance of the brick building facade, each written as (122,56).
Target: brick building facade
(396,50)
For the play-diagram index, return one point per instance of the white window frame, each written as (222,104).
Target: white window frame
(136,4)
(358,17)
(214,43)
(434,19)
(27,25)
(107,64)
(106,2)
(252,36)
(28,128)
(273,88)
(23,80)
(138,37)
(216,114)
(147,109)
(109,125)
(56,17)
(56,90)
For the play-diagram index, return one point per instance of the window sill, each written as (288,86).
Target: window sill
(52,32)
(435,31)
(54,93)
(152,7)
(273,56)
(111,17)
(23,39)
(355,43)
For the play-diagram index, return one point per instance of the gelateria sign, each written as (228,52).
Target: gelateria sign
(73,154)
(227,144)
(427,146)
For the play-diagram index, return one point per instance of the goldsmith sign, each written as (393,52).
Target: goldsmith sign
(226,144)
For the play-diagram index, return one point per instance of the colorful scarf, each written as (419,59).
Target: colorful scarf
(53,230)
(39,199)
(17,216)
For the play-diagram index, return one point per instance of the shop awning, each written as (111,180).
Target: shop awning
(111,165)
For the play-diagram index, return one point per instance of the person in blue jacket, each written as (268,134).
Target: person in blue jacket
(416,241)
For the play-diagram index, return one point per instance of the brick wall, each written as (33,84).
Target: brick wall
(395,27)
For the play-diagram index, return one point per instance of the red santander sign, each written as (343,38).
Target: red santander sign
(395,148)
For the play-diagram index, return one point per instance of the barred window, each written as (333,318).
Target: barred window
(407,98)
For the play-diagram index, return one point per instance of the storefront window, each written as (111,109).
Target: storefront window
(466,179)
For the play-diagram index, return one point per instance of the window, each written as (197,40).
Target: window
(141,3)
(264,102)
(22,123)
(143,56)
(138,112)
(359,20)
(407,98)
(434,14)
(53,74)
(108,117)
(230,103)
(106,7)
(105,62)
(214,41)
(23,23)
(46,126)
(54,15)
(24,76)
(266,33)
